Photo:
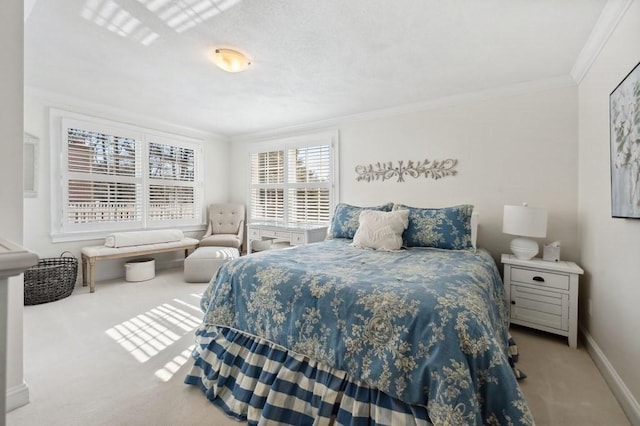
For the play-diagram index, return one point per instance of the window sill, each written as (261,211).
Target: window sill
(100,235)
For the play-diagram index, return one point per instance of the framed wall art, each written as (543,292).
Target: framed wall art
(30,166)
(624,122)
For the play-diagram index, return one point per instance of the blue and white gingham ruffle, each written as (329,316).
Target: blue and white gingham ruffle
(255,380)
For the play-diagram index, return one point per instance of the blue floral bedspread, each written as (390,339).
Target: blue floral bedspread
(426,326)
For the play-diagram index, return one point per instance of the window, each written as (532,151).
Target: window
(172,193)
(115,177)
(293,180)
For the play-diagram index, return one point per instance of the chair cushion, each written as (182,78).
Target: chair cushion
(225,218)
(221,240)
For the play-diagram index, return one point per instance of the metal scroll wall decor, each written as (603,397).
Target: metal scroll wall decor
(430,169)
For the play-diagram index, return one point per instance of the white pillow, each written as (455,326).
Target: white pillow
(138,238)
(381,230)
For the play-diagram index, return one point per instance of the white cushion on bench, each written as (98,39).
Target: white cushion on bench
(138,238)
(100,251)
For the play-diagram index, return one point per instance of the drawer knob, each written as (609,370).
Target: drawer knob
(539,279)
(513,302)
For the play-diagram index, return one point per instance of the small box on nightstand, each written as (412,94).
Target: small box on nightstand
(551,252)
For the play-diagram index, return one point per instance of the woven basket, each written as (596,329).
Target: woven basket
(53,278)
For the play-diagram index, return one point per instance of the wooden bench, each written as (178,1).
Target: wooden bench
(93,253)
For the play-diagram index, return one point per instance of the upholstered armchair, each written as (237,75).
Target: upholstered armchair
(225,226)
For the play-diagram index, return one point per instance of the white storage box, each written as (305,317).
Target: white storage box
(140,269)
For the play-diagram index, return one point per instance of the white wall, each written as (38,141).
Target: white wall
(11,100)
(37,210)
(509,150)
(609,248)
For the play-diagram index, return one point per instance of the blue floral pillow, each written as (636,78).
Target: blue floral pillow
(445,228)
(344,223)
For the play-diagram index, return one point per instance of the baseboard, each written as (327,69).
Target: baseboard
(629,404)
(17,396)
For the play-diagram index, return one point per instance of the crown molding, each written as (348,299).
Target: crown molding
(607,22)
(73,104)
(459,99)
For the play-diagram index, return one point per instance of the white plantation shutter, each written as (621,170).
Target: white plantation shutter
(170,202)
(309,184)
(98,202)
(172,189)
(267,204)
(309,205)
(115,176)
(267,186)
(295,182)
(104,183)
(267,168)
(171,162)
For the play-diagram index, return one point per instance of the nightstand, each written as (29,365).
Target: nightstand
(543,295)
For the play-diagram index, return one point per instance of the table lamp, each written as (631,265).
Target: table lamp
(524,221)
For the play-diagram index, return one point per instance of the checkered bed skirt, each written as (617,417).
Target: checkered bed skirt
(258,381)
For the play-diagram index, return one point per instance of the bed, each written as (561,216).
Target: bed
(332,333)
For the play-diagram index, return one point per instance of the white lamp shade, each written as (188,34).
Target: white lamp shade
(525,221)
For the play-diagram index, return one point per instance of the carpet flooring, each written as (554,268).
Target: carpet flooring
(119,357)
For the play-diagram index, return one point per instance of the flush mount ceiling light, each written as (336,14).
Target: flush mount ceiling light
(231,60)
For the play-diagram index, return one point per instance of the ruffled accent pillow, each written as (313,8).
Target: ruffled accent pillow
(344,223)
(381,230)
(445,228)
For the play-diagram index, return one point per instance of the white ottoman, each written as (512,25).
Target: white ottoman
(202,265)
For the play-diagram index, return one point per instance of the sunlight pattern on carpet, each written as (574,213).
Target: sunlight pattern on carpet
(172,367)
(146,335)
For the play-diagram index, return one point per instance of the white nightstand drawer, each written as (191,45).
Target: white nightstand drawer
(540,278)
(297,239)
(268,233)
(254,234)
(283,235)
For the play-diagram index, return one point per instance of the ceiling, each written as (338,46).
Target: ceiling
(311,60)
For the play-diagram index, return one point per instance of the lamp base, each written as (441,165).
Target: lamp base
(524,248)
